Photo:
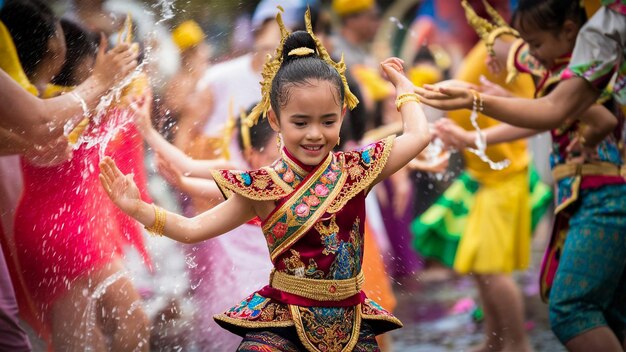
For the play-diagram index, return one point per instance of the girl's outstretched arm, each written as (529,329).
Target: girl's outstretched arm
(170,153)
(193,186)
(42,120)
(569,98)
(454,136)
(415,134)
(221,219)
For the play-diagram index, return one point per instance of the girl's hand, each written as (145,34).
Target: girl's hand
(392,68)
(113,65)
(119,187)
(142,109)
(493,65)
(439,166)
(446,96)
(452,135)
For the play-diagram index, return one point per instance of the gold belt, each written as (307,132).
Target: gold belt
(598,168)
(319,290)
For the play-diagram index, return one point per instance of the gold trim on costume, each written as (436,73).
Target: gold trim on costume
(364,182)
(356,329)
(253,324)
(278,180)
(228,189)
(388,318)
(317,289)
(302,188)
(293,165)
(306,226)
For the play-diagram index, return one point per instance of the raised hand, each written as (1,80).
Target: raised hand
(392,68)
(142,108)
(113,65)
(119,187)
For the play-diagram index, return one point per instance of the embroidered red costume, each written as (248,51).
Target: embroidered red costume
(315,239)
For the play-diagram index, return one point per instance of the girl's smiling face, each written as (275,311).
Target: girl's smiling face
(310,120)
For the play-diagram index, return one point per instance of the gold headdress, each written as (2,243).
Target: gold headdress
(486,30)
(273,64)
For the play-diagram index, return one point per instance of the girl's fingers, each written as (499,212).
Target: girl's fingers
(116,171)
(105,184)
(106,171)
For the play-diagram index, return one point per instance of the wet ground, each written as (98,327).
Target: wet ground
(438,317)
(437,312)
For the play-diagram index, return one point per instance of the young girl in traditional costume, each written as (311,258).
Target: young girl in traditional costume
(590,190)
(65,245)
(311,202)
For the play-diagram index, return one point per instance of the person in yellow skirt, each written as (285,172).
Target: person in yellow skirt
(496,233)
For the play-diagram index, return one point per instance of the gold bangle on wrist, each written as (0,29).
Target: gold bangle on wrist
(405,98)
(159,222)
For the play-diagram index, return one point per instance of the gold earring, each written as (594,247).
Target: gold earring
(278,142)
(338,140)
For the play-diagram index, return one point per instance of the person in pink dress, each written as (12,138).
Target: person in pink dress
(67,248)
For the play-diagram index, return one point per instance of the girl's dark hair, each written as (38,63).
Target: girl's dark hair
(301,70)
(31,24)
(547,15)
(80,43)
(260,134)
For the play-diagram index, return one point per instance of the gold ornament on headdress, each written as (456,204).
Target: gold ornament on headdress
(273,63)
(302,51)
(486,30)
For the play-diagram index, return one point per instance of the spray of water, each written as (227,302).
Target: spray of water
(166,9)
(401,26)
(481,146)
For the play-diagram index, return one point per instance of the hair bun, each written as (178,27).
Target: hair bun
(297,45)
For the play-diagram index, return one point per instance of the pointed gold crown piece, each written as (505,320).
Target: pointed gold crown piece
(273,63)
(486,30)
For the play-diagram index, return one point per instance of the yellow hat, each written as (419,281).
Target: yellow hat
(373,84)
(347,7)
(10,62)
(188,34)
(424,74)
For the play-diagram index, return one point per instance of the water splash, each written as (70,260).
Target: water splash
(481,146)
(401,26)
(167,10)
(90,314)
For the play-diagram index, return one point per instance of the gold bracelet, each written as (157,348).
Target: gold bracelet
(405,98)
(159,222)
